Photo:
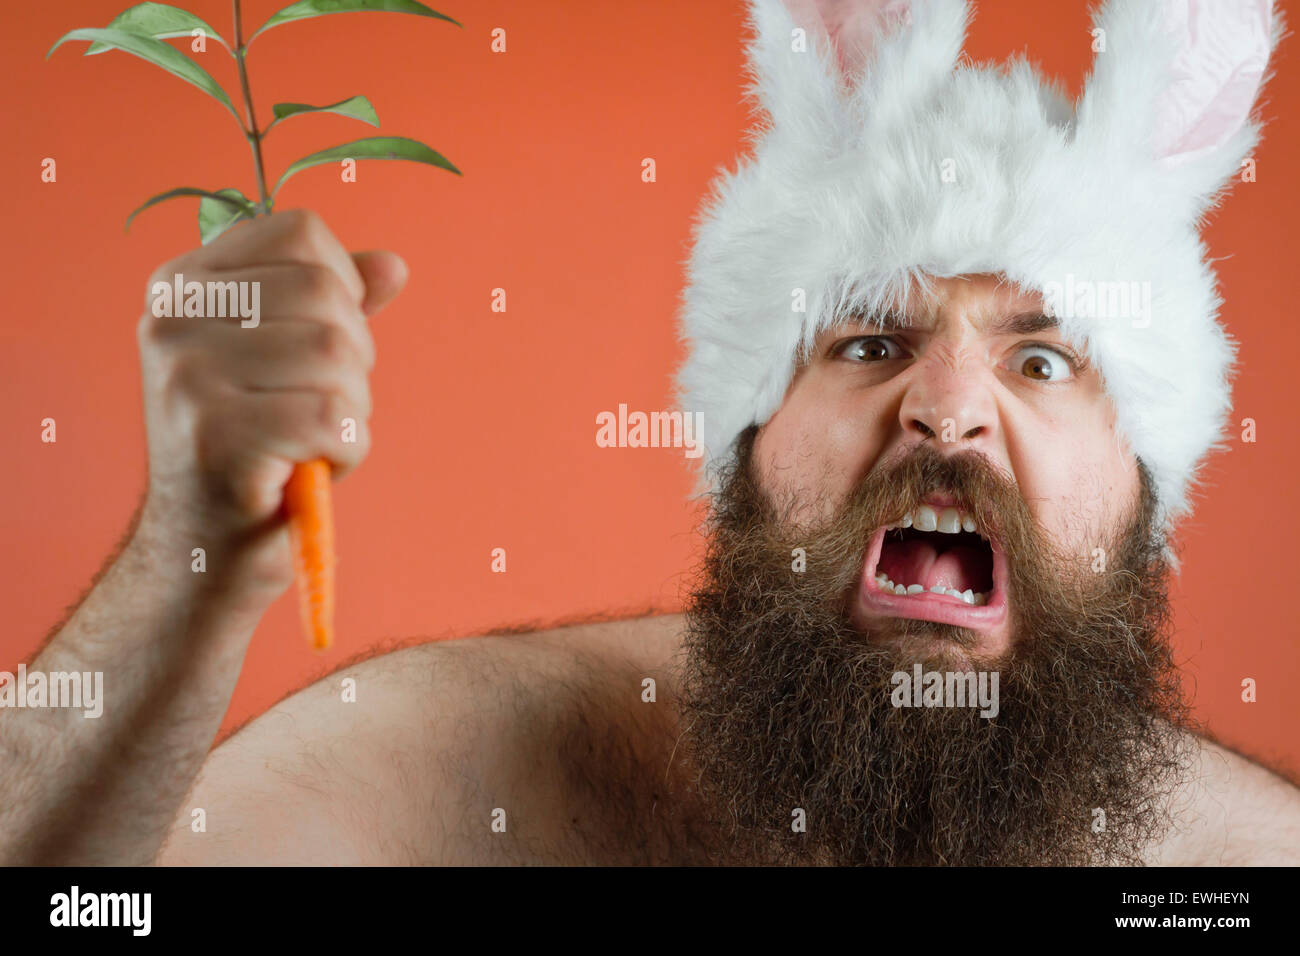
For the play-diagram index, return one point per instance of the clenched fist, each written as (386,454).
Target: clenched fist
(232,403)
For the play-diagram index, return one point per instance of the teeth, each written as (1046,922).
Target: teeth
(949,521)
(968,596)
(925,519)
(943,520)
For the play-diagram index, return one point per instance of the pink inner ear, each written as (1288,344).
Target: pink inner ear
(851,25)
(1215,75)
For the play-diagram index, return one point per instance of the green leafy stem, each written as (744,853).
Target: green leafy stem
(141,29)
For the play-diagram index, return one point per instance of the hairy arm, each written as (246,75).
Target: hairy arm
(169,643)
(229,411)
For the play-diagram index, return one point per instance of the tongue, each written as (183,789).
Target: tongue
(917,562)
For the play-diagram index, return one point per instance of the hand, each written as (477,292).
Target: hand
(233,403)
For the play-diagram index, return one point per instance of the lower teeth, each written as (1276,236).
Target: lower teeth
(970,597)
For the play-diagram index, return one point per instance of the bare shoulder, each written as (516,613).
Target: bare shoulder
(471,750)
(1233,812)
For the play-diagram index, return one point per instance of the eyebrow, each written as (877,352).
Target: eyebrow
(1025,323)
(1022,323)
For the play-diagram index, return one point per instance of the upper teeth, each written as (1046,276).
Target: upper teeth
(945,520)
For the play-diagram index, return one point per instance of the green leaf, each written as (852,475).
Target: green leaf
(318,8)
(221,197)
(216,215)
(357,107)
(160,21)
(372,147)
(158,53)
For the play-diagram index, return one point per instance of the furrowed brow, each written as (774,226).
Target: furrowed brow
(1026,323)
(885,323)
(882,323)
(890,322)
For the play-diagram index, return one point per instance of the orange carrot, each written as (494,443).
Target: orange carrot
(311,530)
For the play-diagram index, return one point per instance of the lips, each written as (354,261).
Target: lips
(929,568)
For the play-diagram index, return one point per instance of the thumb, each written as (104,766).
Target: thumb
(384,273)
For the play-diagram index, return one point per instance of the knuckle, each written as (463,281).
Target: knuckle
(148,331)
(357,444)
(154,331)
(330,411)
(162,274)
(361,403)
(343,408)
(302,219)
(186,264)
(368,341)
(324,286)
(305,230)
(332,345)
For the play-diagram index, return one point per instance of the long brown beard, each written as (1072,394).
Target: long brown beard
(787,710)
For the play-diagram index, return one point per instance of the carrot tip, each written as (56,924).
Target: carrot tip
(311,530)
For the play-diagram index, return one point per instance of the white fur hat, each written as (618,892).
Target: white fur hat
(887,158)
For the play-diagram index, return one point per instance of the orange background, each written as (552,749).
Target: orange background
(484,423)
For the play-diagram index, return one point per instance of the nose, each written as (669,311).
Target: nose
(948,400)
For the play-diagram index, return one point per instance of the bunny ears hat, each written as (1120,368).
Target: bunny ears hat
(889,157)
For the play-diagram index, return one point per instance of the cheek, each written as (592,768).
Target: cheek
(818,445)
(1078,480)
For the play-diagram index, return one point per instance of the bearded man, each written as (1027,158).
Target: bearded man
(936,562)
(954,342)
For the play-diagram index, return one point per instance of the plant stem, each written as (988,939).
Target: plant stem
(253,134)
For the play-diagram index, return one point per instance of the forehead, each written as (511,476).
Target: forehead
(989,303)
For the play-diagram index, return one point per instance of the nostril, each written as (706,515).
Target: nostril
(929,432)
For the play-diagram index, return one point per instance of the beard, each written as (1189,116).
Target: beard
(790,727)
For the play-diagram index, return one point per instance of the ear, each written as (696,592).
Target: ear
(849,27)
(1218,69)
(1175,86)
(807,54)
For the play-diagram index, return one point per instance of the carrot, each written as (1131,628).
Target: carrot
(311,531)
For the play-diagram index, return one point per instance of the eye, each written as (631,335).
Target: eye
(1042,364)
(871,348)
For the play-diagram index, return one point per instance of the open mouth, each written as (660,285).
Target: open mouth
(939,551)
(936,563)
